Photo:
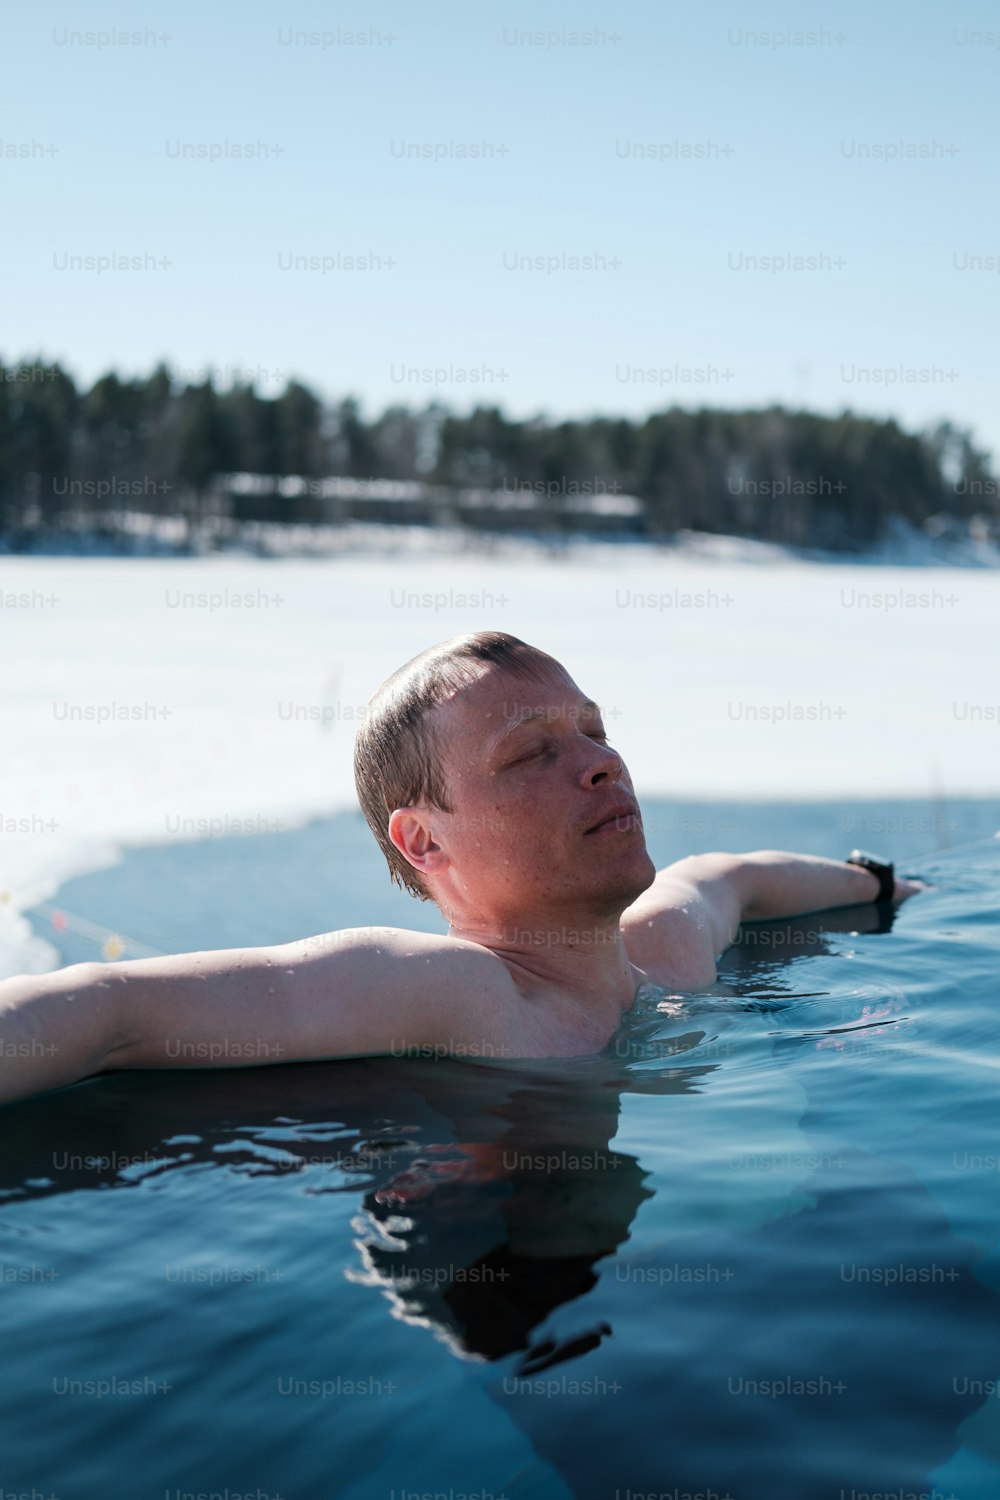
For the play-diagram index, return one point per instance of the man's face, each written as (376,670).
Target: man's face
(529,774)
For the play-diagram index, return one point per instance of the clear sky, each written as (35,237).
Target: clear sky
(678,149)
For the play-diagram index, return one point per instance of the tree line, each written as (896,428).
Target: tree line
(159,444)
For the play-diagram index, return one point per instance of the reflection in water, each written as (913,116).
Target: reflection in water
(542,1200)
(626,1309)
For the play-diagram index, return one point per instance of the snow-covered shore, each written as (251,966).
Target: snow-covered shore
(152,699)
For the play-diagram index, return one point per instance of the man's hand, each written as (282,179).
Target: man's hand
(906,888)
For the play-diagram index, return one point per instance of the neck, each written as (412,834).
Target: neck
(589,964)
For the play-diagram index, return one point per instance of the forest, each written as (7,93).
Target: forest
(162,445)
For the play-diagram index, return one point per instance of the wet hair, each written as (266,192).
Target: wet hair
(398,759)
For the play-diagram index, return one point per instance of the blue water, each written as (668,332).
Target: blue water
(177,897)
(751,1249)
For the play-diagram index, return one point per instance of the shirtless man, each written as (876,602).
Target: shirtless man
(488,780)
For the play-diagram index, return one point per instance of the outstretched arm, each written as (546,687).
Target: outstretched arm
(693,910)
(772,884)
(354,993)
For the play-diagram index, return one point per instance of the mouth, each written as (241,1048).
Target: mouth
(621,819)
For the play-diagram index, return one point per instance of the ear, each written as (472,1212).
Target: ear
(411,831)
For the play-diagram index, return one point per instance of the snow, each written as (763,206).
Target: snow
(725,668)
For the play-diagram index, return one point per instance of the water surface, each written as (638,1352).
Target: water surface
(750,1248)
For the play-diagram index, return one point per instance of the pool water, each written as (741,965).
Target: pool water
(751,1249)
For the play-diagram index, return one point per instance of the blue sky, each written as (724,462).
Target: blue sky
(761,130)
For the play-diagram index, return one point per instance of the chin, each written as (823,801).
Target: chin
(645,877)
(626,886)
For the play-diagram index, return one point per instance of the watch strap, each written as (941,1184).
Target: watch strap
(884,870)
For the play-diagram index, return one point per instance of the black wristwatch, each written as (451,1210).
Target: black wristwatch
(882,868)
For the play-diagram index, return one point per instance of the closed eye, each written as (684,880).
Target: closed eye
(593,734)
(530,754)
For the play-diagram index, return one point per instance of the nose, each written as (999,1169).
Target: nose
(604,764)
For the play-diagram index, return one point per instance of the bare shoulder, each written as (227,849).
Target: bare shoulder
(437,989)
(677,928)
(356,992)
(426,966)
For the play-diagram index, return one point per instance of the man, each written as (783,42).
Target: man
(487,778)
